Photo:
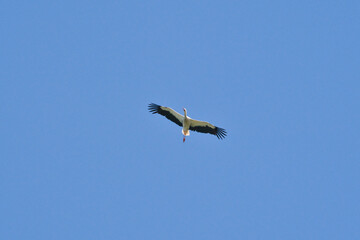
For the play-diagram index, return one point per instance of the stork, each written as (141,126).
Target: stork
(186,122)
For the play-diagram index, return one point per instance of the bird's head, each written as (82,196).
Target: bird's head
(184,109)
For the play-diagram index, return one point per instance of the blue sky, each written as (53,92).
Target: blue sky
(82,158)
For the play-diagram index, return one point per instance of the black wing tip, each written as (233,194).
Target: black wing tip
(220,133)
(153,108)
(153,105)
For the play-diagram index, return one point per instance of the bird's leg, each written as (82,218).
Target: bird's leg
(184,139)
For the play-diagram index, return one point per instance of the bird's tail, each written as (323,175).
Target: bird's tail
(186,133)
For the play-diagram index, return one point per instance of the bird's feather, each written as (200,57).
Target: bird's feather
(167,112)
(205,127)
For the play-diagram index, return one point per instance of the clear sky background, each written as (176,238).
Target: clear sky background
(82,158)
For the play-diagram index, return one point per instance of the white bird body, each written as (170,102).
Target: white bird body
(186,125)
(186,122)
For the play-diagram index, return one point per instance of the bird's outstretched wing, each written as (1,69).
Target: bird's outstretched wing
(205,127)
(167,112)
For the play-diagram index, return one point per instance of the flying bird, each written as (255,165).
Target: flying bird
(186,122)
